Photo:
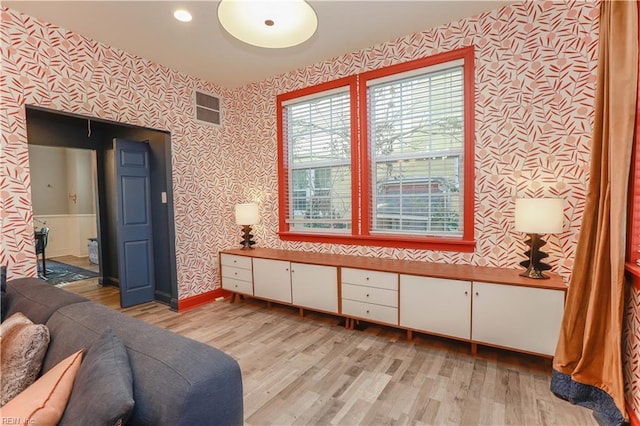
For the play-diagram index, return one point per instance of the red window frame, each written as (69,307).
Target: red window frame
(633,224)
(633,201)
(360,162)
(283,169)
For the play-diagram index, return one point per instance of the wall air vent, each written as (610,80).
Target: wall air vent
(208,109)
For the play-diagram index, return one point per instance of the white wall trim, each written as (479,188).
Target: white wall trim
(68,234)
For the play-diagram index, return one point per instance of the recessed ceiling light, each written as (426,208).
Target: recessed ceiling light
(268,23)
(182,15)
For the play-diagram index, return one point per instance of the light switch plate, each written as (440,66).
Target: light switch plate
(163,195)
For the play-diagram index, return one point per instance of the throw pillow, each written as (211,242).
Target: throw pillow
(23,346)
(4,303)
(44,401)
(103,391)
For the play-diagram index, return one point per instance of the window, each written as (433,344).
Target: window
(381,158)
(416,143)
(317,129)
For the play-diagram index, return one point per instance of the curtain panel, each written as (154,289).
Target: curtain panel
(588,359)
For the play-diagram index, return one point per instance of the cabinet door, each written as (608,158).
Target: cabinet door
(436,305)
(272,279)
(523,318)
(315,286)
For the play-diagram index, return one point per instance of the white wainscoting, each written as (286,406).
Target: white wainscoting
(68,234)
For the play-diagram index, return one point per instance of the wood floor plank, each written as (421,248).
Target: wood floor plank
(311,371)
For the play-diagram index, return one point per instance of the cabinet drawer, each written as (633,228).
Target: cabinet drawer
(236,273)
(387,280)
(369,311)
(379,296)
(236,261)
(238,286)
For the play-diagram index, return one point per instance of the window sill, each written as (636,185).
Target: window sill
(634,271)
(423,243)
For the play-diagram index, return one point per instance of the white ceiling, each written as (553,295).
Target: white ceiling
(202,48)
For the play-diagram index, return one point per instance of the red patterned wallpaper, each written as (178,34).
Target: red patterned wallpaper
(631,349)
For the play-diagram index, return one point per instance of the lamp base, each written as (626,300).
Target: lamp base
(534,273)
(247,241)
(534,265)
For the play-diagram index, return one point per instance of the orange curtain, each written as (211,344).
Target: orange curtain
(589,348)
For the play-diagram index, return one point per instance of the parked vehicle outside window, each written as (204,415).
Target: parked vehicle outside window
(417,205)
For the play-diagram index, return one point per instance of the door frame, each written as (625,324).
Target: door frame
(56,128)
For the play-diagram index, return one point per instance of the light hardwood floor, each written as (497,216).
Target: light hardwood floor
(312,371)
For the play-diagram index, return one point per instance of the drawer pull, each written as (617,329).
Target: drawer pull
(367,294)
(367,278)
(466,292)
(477,294)
(235,261)
(367,311)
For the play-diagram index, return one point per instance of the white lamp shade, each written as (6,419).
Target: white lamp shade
(247,214)
(539,215)
(268,23)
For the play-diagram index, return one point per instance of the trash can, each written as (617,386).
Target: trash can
(93,250)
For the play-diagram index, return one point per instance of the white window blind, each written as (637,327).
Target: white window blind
(317,133)
(416,143)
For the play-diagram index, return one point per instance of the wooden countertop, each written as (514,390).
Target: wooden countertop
(410,267)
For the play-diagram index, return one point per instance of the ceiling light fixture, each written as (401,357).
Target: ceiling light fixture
(268,23)
(182,15)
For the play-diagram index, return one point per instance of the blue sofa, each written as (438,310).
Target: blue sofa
(176,380)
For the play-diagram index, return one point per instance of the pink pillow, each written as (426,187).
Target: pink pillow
(44,401)
(23,346)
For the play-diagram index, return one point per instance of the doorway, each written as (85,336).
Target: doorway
(63,193)
(47,128)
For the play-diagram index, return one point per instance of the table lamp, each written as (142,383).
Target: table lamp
(536,216)
(247,215)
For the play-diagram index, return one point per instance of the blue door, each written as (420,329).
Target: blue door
(134,232)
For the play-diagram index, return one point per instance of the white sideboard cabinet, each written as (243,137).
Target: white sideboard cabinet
(476,304)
